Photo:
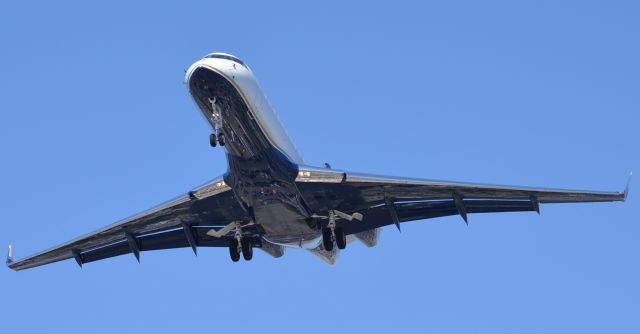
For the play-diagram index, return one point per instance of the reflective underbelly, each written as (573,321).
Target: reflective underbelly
(259,174)
(283,224)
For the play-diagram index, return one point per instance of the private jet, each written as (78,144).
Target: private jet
(270,199)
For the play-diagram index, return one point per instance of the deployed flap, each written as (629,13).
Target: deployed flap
(406,188)
(209,204)
(384,200)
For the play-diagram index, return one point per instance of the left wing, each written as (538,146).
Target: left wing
(384,200)
(182,222)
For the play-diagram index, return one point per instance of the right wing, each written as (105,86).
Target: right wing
(386,200)
(182,222)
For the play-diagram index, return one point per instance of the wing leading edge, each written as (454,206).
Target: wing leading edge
(181,222)
(185,221)
(387,200)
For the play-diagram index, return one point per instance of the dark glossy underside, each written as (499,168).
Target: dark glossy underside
(259,174)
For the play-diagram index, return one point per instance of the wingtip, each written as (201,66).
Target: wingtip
(626,188)
(10,255)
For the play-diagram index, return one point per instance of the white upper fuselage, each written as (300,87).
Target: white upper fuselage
(239,74)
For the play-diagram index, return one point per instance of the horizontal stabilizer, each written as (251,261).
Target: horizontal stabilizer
(272,249)
(328,257)
(368,237)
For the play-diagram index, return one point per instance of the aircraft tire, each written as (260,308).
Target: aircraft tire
(326,239)
(212,140)
(233,250)
(341,238)
(222,139)
(247,249)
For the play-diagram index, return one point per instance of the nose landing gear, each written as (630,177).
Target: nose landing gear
(214,139)
(217,137)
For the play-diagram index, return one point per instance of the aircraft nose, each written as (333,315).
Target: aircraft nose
(189,72)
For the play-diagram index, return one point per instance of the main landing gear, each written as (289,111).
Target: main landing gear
(238,244)
(335,234)
(243,246)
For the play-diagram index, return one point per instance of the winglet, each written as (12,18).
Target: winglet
(626,188)
(10,255)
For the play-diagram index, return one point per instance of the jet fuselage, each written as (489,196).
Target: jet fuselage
(263,162)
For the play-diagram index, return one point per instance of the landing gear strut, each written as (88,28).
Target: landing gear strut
(217,137)
(239,245)
(335,234)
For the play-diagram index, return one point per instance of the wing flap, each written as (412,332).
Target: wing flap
(406,188)
(380,216)
(415,199)
(157,228)
(169,239)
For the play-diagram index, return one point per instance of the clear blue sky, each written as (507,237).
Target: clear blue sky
(96,124)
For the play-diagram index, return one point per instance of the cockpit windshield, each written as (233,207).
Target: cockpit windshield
(225,56)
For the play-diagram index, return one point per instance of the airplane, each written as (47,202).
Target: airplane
(270,199)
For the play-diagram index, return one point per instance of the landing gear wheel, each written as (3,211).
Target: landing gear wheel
(327,240)
(222,139)
(341,238)
(247,249)
(233,250)
(212,140)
